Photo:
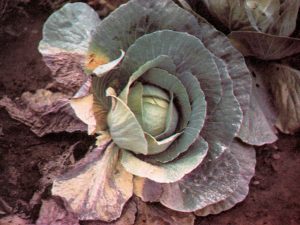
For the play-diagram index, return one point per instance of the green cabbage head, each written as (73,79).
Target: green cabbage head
(165,96)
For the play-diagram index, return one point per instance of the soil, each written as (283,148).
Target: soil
(274,197)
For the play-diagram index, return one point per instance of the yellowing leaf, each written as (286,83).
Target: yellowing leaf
(147,190)
(89,112)
(94,60)
(97,187)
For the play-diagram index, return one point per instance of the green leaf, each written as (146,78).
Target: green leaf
(172,84)
(229,61)
(163,62)
(69,29)
(97,187)
(171,121)
(155,146)
(196,121)
(224,122)
(135,101)
(214,180)
(258,123)
(187,53)
(125,129)
(168,172)
(264,46)
(246,158)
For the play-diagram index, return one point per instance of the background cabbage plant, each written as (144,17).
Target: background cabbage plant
(166,96)
(264,32)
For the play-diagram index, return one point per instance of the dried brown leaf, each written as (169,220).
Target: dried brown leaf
(55,211)
(156,214)
(44,111)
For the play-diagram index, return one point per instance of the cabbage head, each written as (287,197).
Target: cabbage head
(165,96)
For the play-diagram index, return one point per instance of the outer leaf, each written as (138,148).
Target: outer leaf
(269,16)
(246,159)
(147,190)
(168,172)
(231,13)
(44,112)
(258,123)
(56,211)
(69,29)
(66,35)
(97,187)
(125,129)
(273,16)
(214,180)
(158,215)
(285,87)
(224,122)
(264,46)
(128,216)
(229,61)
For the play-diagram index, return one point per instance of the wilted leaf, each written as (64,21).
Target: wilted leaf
(55,211)
(97,187)
(276,17)
(147,190)
(127,218)
(258,123)
(264,46)
(44,112)
(66,36)
(90,113)
(154,214)
(14,220)
(284,83)
(51,170)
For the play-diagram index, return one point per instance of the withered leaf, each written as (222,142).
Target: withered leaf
(156,214)
(13,220)
(44,112)
(127,218)
(98,186)
(147,190)
(55,211)
(264,46)
(284,83)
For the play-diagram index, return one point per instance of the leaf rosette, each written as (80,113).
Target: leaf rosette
(165,95)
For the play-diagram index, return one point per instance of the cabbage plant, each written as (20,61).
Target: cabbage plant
(165,95)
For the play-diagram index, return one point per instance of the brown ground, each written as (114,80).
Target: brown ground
(274,197)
